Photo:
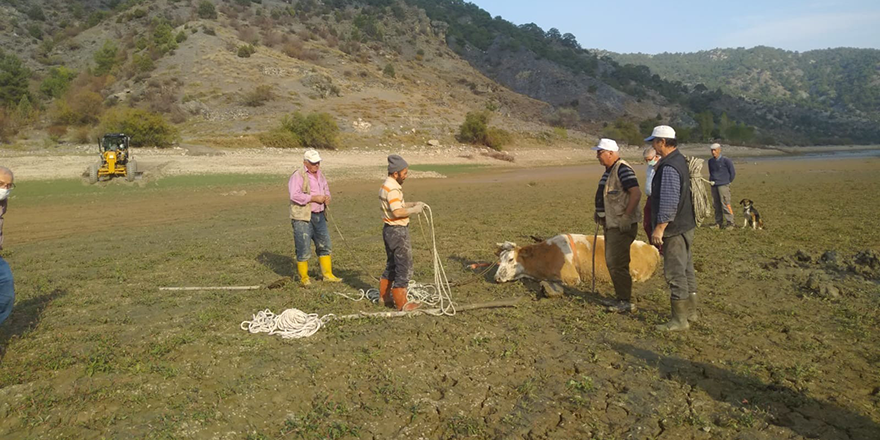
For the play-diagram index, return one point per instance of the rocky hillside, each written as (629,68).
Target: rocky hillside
(386,71)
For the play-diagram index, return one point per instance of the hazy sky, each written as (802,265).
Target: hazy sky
(692,25)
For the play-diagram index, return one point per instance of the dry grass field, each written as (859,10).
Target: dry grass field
(787,347)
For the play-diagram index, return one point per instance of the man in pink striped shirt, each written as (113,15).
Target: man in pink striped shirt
(309,198)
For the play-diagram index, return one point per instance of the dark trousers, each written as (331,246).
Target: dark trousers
(398,251)
(617,246)
(678,265)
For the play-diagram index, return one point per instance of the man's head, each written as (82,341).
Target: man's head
(397,168)
(607,152)
(7,182)
(650,156)
(663,140)
(312,161)
(716,150)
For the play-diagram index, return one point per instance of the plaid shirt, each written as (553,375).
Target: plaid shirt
(670,193)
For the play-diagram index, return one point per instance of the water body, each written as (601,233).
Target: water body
(815,155)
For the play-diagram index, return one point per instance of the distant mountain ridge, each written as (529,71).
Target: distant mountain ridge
(844,80)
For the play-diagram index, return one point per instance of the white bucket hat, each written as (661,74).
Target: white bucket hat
(606,144)
(661,131)
(312,156)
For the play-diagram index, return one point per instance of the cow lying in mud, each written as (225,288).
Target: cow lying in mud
(567,258)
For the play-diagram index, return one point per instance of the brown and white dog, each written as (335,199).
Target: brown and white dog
(752,217)
(568,258)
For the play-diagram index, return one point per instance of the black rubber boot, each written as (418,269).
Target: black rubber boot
(679,317)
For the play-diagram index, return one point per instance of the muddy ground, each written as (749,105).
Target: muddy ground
(787,347)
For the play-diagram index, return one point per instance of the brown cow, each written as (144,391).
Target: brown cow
(568,258)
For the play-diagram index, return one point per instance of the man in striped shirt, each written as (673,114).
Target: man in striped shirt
(673,223)
(617,210)
(398,249)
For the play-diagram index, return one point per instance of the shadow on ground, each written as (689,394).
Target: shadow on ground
(26,316)
(786,407)
(280,264)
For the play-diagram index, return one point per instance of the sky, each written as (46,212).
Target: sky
(652,27)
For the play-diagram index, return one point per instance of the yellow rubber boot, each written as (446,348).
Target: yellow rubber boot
(327,269)
(303,268)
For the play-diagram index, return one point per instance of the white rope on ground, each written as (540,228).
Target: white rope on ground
(290,324)
(296,324)
(699,194)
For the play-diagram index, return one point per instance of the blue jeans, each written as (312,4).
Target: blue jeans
(7,291)
(315,230)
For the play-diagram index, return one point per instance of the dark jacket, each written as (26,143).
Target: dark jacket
(721,171)
(685,220)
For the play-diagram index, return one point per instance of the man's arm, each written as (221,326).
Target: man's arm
(294,186)
(731,169)
(670,194)
(635,195)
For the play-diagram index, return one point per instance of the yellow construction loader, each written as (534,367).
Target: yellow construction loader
(115,159)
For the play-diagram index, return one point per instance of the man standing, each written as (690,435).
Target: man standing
(721,173)
(7,288)
(617,210)
(395,233)
(651,160)
(673,223)
(309,198)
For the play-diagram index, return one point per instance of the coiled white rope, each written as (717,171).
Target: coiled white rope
(296,324)
(290,324)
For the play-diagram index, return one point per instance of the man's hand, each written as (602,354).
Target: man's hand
(319,199)
(657,234)
(626,226)
(326,200)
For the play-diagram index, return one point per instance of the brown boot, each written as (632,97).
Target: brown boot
(385,293)
(399,294)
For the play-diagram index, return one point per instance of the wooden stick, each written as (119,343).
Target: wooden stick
(213,288)
(487,305)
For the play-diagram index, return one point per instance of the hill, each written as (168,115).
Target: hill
(385,72)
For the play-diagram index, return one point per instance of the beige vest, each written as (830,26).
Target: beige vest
(616,199)
(302,212)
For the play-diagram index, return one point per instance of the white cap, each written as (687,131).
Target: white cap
(715,146)
(661,131)
(312,156)
(606,144)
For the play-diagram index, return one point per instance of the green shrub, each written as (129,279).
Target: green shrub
(564,117)
(180,37)
(78,107)
(315,130)
(259,96)
(474,128)
(279,138)
(206,10)
(35,31)
(624,131)
(36,13)
(163,37)
(142,63)
(144,127)
(246,50)
(496,138)
(105,58)
(389,71)
(57,82)
(13,79)
(209,31)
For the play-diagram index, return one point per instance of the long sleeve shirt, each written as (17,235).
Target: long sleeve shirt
(721,171)
(670,194)
(649,177)
(317,185)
